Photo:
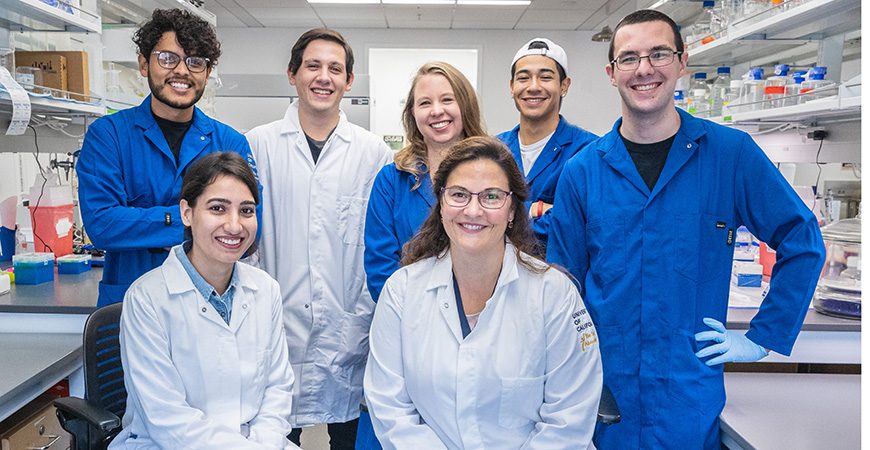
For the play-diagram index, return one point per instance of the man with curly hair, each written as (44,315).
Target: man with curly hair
(132,162)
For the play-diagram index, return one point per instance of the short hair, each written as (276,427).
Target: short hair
(541,44)
(193,34)
(642,16)
(432,239)
(413,158)
(323,34)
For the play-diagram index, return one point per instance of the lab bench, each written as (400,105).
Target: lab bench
(774,411)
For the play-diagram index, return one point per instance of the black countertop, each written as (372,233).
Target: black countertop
(67,294)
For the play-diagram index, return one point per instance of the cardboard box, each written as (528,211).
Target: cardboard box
(77,72)
(53,67)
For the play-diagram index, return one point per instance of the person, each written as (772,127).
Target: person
(317,171)
(645,220)
(202,337)
(477,343)
(543,141)
(441,110)
(132,162)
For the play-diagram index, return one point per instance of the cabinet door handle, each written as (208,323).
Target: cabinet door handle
(53,440)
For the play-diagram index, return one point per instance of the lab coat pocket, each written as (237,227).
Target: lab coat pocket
(690,381)
(521,400)
(354,348)
(606,247)
(700,240)
(351,219)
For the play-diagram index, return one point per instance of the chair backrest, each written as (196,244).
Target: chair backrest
(104,375)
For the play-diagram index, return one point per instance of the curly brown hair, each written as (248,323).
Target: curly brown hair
(193,34)
(432,239)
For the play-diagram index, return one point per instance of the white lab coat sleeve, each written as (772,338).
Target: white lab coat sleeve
(151,377)
(395,419)
(572,387)
(271,425)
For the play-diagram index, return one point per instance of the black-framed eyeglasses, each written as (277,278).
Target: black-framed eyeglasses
(658,58)
(169,60)
(459,197)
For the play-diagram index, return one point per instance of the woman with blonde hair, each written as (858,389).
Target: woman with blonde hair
(441,110)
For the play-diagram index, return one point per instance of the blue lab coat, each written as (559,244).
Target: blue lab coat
(128,182)
(395,214)
(566,142)
(652,265)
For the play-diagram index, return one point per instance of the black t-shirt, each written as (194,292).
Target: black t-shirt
(317,146)
(174,133)
(649,158)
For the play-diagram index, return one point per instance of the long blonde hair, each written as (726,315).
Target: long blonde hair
(413,158)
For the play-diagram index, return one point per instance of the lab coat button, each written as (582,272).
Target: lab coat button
(223,314)
(202,138)
(306,305)
(244,306)
(446,305)
(688,145)
(203,309)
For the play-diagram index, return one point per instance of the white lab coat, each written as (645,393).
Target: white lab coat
(193,381)
(312,243)
(528,376)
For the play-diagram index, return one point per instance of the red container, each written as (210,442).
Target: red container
(767,258)
(52,229)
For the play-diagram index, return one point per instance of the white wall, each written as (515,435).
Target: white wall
(591,102)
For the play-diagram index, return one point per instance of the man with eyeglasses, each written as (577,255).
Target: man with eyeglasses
(645,220)
(544,140)
(132,162)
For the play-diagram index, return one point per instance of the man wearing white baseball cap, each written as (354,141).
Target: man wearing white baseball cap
(544,140)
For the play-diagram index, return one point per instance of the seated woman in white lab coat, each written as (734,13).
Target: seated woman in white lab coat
(202,337)
(477,343)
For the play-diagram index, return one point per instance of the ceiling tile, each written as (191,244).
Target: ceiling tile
(556,15)
(378,22)
(273,14)
(590,5)
(550,25)
(485,14)
(291,23)
(347,13)
(482,25)
(439,24)
(418,13)
(268,3)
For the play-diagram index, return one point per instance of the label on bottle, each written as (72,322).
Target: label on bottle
(774,90)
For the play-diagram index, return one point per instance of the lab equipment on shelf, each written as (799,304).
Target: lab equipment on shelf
(720,90)
(752,91)
(73,264)
(33,268)
(699,96)
(680,100)
(774,87)
(793,90)
(816,87)
(839,290)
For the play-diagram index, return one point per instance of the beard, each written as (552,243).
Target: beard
(157,92)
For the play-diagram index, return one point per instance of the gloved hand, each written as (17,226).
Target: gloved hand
(733,347)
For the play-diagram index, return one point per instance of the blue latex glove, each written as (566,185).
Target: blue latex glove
(733,347)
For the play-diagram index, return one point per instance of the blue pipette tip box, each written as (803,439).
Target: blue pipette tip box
(73,264)
(33,268)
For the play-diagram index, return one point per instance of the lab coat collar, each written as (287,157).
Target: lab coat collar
(551,149)
(442,270)
(201,126)
(291,123)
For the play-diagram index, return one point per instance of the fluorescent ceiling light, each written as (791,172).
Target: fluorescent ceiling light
(418,2)
(494,2)
(347,2)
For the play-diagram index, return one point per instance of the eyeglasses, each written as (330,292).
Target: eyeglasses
(459,197)
(170,60)
(658,58)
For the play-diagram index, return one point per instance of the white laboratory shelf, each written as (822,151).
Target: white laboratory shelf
(46,105)
(34,15)
(803,25)
(132,12)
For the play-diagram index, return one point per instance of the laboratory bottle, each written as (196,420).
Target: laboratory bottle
(699,96)
(703,26)
(734,9)
(816,87)
(774,87)
(853,268)
(793,90)
(752,92)
(720,18)
(753,10)
(743,245)
(680,100)
(719,91)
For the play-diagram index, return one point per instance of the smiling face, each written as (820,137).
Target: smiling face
(646,91)
(437,112)
(223,224)
(474,231)
(174,91)
(322,79)
(536,88)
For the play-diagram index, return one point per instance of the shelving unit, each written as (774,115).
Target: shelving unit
(132,12)
(34,15)
(44,105)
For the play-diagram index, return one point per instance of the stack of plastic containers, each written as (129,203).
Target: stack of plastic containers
(774,88)
(816,87)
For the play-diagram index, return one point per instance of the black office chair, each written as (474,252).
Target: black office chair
(95,420)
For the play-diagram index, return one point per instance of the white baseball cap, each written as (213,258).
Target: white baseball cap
(546,47)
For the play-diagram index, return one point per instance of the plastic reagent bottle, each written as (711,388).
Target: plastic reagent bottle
(752,92)
(774,87)
(719,93)
(703,27)
(813,88)
(699,96)
(680,100)
(793,90)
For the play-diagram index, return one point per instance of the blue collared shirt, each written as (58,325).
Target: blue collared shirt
(223,304)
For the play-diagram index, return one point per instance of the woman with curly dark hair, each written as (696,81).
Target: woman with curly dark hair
(476,342)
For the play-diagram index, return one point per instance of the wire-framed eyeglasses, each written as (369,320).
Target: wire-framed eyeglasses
(459,197)
(658,58)
(170,60)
